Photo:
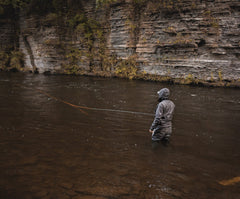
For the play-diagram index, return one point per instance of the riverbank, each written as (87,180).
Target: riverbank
(185,81)
(189,80)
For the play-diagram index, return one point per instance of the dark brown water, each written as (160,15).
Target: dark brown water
(50,149)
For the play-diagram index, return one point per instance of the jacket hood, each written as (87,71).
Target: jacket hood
(163,94)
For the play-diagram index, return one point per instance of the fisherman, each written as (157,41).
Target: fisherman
(161,128)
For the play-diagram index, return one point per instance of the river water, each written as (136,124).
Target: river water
(53,149)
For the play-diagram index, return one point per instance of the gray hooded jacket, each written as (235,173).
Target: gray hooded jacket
(162,123)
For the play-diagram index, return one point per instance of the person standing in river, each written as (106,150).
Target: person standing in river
(161,127)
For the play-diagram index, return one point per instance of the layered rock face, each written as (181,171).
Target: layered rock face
(176,39)
(189,39)
(7,34)
(38,45)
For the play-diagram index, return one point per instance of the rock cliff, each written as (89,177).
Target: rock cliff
(167,40)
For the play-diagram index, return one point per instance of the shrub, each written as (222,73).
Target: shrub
(16,60)
(127,68)
(4,59)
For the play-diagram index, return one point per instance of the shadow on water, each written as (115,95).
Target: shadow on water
(52,150)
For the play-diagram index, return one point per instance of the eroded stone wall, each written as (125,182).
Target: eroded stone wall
(198,39)
(179,39)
